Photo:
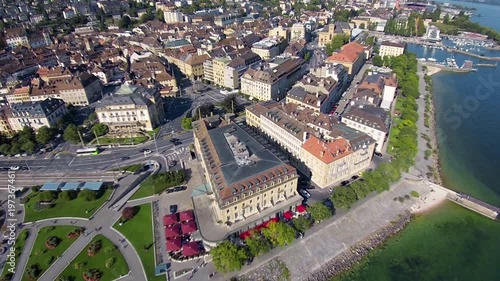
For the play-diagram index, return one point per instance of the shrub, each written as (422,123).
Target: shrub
(80,265)
(401,199)
(87,195)
(33,271)
(49,261)
(129,212)
(407,196)
(110,262)
(92,274)
(47,196)
(415,194)
(67,195)
(52,242)
(66,278)
(94,248)
(110,249)
(36,188)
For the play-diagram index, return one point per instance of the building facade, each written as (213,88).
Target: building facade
(391,49)
(36,114)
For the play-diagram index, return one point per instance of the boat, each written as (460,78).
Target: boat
(432,59)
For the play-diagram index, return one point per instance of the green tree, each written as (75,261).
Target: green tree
(47,196)
(15,148)
(160,16)
(186,123)
(319,211)
(370,40)
(125,22)
(44,135)
(87,195)
(257,245)
(362,26)
(279,233)
(100,129)
(337,42)
(377,60)
(302,224)
(28,146)
(92,117)
(67,195)
(228,257)
(71,133)
(5,148)
(230,104)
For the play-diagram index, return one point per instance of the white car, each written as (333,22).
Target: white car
(15,168)
(146,152)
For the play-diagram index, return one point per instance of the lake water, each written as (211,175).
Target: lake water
(452,243)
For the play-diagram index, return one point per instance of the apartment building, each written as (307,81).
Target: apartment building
(249,183)
(16,37)
(271,80)
(321,147)
(352,56)
(298,31)
(316,93)
(78,90)
(270,47)
(4,121)
(19,95)
(173,16)
(391,49)
(371,120)
(131,109)
(36,114)
(384,85)
(280,31)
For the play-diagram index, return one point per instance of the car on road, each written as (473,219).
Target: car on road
(15,168)
(344,183)
(173,209)
(173,163)
(355,177)
(147,151)
(378,154)
(124,158)
(305,193)
(174,140)
(25,168)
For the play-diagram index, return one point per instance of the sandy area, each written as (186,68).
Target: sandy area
(431,70)
(429,201)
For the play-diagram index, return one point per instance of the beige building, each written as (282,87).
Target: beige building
(36,114)
(325,35)
(321,147)
(19,95)
(280,31)
(4,122)
(391,49)
(352,56)
(131,110)
(247,181)
(269,48)
(271,80)
(16,37)
(298,31)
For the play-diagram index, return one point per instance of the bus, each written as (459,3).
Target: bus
(87,151)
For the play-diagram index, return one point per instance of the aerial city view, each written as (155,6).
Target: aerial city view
(249,140)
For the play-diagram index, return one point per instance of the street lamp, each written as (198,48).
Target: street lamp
(156,146)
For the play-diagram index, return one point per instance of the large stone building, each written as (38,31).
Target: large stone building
(36,114)
(298,31)
(352,56)
(248,184)
(131,110)
(16,37)
(326,34)
(319,145)
(270,47)
(391,49)
(271,80)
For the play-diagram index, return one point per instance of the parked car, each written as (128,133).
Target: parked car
(179,188)
(174,140)
(147,151)
(355,177)
(305,193)
(344,183)
(173,163)
(378,154)
(15,168)
(124,158)
(173,209)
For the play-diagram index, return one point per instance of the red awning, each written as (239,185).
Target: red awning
(245,235)
(288,215)
(190,249)
(186,215)
(301,208)
(188,227)
(174,244)
(265,224)
(172,231)
(170,219)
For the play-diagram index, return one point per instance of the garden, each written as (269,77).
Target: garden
(138,229)
(99,261)
(158,183)
(68,203)
(19,246)
(51,242)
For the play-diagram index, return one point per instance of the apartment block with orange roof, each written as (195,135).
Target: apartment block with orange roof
(352,56)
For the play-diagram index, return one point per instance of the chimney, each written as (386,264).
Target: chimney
(322,153)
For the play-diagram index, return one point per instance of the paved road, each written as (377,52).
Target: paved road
(344,102)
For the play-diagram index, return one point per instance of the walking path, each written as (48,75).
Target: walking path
(100,223)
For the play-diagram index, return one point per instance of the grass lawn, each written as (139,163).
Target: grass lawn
(108,251)
(134,140)
(153,132)
(62,208)
(144,190)
(132,168)
(43,256)
(139,231)
(20,241)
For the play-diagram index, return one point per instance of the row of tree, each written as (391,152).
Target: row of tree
(413,26)
(228,256)
(403,141)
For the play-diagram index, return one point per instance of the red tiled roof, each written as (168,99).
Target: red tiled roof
(327,152)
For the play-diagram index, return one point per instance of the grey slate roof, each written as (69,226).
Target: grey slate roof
(38,108)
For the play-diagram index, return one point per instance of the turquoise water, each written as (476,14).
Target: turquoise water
(452,243)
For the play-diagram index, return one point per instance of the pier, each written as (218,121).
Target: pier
(469,202)
(487,64)
(448,68)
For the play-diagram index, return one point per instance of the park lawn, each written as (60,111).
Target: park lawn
(77,207)
(145,190)
(20,242)
(153,132)
(134,140)
(43,256)
(119,268)
(132,168)
(139,231)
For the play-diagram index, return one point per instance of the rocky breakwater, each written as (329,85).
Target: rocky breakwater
(353,255)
